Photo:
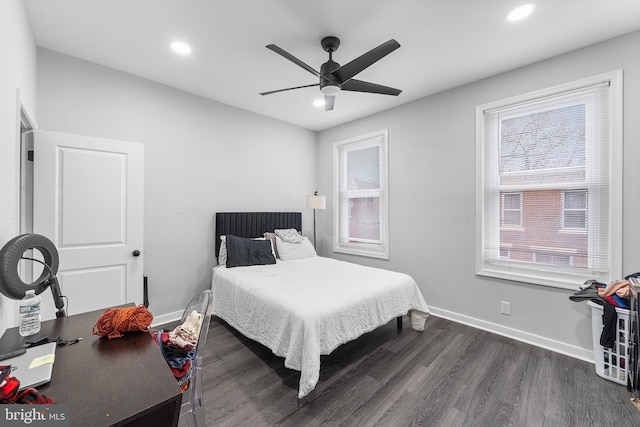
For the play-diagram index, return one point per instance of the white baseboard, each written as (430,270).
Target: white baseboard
(166,318)
(537,340)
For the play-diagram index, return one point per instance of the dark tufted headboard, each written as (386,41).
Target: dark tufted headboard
(254,224)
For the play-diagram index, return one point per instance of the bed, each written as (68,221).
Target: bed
(292,307)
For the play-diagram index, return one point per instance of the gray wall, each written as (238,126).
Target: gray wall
(432,177)
(201,157)
(17,86)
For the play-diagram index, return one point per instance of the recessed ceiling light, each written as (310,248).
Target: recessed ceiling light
(318,103)
(520,12)
(181,48)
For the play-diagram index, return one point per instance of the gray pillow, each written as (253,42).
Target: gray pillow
(244,252)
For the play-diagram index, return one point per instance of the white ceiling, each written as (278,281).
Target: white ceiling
(444,43)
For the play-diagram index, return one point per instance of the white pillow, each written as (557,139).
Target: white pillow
(289,235)
(290,251)
(272,237)
(222,255)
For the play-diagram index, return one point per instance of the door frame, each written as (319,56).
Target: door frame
(24,124)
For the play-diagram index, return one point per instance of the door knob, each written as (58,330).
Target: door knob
(135,253)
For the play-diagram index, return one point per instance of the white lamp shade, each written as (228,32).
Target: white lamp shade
(316,202)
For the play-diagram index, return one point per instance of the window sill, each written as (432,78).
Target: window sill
(572,231)
(512,228)
(550,278)
(377,252)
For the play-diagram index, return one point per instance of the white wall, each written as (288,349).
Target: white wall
(432,192)
(17,85)
(201,157)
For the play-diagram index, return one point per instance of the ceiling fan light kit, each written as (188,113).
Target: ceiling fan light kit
(333,78)
(330,90)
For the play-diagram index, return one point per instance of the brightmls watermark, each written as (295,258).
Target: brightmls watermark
(34,415)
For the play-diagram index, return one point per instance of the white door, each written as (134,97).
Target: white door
(88,200)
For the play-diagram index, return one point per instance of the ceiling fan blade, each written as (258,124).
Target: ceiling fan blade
(289,88)
(328,102)
(354,85)
(352,68)
(292,58)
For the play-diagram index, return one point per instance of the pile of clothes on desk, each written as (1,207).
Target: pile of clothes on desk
(179,347)
(10,392)
(611,296)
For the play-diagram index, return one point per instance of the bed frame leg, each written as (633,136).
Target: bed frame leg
(399,322)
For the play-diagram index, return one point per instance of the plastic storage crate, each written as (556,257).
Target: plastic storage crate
(611,363)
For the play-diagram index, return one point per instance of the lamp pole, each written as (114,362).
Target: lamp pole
(315,202)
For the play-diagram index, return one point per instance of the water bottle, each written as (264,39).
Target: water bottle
(29,314)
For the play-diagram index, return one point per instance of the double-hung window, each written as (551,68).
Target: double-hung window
(361,194)
(549,201)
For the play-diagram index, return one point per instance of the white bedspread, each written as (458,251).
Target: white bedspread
(306,308)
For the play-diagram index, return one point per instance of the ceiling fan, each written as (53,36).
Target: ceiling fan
(334,78)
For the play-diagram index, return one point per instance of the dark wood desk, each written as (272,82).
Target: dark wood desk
(122,381)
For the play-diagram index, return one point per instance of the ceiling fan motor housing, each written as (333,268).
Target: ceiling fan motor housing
(328,80)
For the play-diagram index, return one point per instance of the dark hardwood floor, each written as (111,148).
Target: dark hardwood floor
(448,375)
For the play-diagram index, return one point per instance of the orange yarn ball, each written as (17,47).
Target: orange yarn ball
(115,322)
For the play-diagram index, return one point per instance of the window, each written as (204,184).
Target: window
(574,209)
(549,205)
(361,196)
(505,251)
(552,258)
(511,210)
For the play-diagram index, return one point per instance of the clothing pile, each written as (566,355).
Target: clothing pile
(610,296)
(10,391)
(179,347)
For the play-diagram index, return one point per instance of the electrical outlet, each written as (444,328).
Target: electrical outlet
(505,308)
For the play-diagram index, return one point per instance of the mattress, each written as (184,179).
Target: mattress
(302,309)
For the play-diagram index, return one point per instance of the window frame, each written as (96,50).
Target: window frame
(491,265)
(362,247)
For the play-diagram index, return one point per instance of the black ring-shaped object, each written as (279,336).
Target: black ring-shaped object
(11,285)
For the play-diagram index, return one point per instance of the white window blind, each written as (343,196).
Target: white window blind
(546,184)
